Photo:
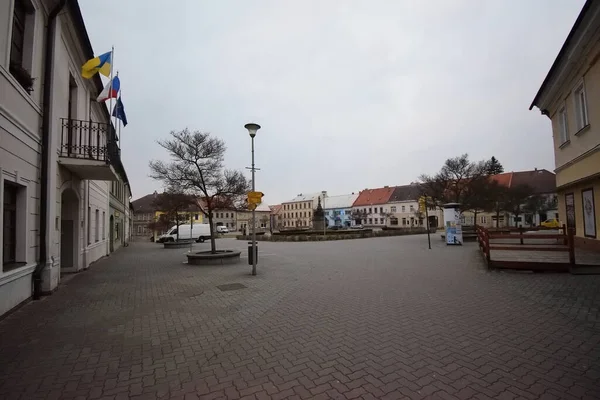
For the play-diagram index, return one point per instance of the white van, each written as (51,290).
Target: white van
(200,232)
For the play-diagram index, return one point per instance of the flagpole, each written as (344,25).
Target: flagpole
(112,66)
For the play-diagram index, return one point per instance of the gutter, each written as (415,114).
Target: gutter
(49,54)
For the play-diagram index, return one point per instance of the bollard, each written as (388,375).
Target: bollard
(250,255)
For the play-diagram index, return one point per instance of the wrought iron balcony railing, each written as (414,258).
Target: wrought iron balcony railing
(88,140)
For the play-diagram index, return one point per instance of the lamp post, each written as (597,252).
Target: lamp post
(252,129)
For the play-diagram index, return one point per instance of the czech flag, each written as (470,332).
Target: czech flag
(111,90)
(99,64)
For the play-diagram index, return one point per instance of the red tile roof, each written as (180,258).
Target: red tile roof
(275,209)
(540,180)
(374,196)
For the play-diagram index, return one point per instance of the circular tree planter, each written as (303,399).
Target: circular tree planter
(221,257)
(178,245)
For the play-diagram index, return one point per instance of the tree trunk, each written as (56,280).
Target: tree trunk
(177,225)
(213,243)
(475,218)
(497,218)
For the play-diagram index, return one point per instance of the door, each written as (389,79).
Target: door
(66,243)
(111,234)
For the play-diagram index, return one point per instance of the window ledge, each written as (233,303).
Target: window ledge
(564,144)
(583,130)
(20,269)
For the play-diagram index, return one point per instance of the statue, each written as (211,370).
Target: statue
(319,217)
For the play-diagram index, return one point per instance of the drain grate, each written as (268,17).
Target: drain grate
(231,286)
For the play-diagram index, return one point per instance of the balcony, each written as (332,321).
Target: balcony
(89,149)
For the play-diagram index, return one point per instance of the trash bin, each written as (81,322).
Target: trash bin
(250,255)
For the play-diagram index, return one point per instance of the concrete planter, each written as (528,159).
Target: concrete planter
(177,245)
(221,257)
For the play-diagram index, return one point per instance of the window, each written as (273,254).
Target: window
(562,126)
(9,226)
(89,226)
(22,44)
(370,212)
(196,217)
(403,220)
(380,210)
(393,209)
(483,219)
(309,214)
(370,220)
(97,236)
(403,209)
(104,219)
(581,107)
(381,221)
(394,221)
(139,230)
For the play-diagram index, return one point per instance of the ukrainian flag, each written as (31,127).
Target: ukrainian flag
(99,64)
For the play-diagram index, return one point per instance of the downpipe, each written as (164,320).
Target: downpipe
(49,54)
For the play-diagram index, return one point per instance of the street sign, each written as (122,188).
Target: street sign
(254,199)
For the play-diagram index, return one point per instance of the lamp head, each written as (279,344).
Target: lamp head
(252,128)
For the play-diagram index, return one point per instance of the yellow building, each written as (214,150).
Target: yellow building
(570,97)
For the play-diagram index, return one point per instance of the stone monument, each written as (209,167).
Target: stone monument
(319,218)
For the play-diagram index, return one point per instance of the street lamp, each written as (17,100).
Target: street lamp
(252,129)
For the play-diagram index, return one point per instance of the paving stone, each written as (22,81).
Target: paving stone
(372,318)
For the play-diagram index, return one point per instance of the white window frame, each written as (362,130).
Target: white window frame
(563,125)
(97,226)
(393,209)
(580,103)
(22,224)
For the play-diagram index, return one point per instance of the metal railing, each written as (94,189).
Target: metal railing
(88,140)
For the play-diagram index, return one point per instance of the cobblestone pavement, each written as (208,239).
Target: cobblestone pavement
(372,318)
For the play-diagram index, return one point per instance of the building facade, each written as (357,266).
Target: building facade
(297,213)
(338,209)
(371,208)
(58,150)
(244,219)
(570,98)
(276,220)
(542,184)
(403,208)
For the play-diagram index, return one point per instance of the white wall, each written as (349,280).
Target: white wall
(20,152)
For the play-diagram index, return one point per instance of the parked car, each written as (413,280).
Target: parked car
(222,229)
(551,223)
(199,232)
(335,227)
(356,226)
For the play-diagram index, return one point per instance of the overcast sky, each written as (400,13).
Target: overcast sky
(350,94)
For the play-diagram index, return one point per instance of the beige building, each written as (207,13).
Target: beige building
(297,213)
(570,97)
(58,152)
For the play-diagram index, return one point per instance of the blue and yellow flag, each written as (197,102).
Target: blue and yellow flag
(99,64)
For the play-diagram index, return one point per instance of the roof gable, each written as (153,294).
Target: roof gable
(340,201)
(374,196)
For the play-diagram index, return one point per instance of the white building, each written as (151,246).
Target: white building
(338,209)
(298,212)
(58,151)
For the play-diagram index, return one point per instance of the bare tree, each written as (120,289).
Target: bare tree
(161,224)
(459,181)
(515,200)
(196,166)
(358,215)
